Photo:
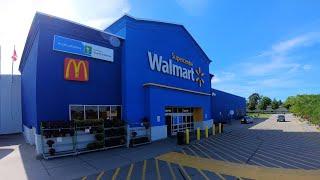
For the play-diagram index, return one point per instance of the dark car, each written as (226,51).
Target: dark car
(246,120)
(281,118)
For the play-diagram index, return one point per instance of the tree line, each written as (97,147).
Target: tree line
(257,101)
(305,106)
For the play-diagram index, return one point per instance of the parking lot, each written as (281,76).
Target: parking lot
(289,149)
(262,150)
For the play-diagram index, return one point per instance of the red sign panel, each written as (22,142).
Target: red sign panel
(76,70)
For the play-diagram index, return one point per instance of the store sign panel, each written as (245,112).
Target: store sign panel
(73,46)
(76,70)
(157,63)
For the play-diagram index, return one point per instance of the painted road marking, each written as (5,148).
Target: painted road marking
(238,170)
(203,175)
(185,174)
(171,171)
(229,153)
(130,172)
(223,152)
(205,154)
(222,158)
(115,174)
(100,175)
(193,152)
(157,169)
(144,170)
(289,158)
(255,157)
(272,164)
(220,176)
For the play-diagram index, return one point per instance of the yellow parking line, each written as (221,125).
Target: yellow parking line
(130,172)
(84,178)
(203,174)
(238,170)
(171,171)
(100,175)
(186,175)
(115,174)
(157,168)
(144,170)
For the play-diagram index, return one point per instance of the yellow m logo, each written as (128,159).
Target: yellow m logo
(79,71)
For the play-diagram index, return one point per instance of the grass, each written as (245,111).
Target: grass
(259,115)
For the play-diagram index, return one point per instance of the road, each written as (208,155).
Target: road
(263,150)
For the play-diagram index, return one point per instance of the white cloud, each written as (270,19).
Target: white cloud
(194,7)
(307,67)
(279,58)
(16,17)
(222,77)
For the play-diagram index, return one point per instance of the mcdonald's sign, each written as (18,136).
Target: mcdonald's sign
(76,70)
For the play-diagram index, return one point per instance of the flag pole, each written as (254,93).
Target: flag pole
(14,49)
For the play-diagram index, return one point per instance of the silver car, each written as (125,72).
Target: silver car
(247,120)
(281,118)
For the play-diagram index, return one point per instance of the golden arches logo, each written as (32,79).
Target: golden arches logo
(77,73)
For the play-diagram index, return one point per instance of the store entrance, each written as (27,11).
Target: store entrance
(178,119)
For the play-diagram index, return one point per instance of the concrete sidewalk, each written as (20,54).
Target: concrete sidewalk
(18,159)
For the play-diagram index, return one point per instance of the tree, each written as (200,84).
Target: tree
(253,101)
(264,103)
(275,104)
(280,102)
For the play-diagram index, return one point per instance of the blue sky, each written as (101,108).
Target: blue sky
(269,47)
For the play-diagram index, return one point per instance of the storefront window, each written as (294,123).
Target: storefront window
(115,112)
(83,112)
(77,112)
(91,112)
(104,112)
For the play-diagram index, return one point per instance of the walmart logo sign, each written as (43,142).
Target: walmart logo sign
(157,63)
(73,46)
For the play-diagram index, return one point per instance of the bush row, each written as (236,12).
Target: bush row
(305,106)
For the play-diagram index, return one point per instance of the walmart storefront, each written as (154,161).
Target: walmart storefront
(145,73)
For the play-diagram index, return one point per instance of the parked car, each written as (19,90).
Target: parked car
(281,118)
(247,120)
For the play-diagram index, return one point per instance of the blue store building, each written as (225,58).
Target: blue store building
(133,70)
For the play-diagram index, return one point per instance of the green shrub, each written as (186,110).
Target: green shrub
(305,106)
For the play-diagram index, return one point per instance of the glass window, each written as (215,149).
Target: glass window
(115,112)
(77,112)
(104,112)
(91,112)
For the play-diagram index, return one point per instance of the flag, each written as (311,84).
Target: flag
(14,56)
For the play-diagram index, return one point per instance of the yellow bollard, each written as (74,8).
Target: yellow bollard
(187,136)
(198,134)
(207,132)
(219,127)
(213,129)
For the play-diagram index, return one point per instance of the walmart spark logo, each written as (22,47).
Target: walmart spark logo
(87,50)
(200,75)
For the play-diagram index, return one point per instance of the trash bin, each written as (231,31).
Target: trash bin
(181,138)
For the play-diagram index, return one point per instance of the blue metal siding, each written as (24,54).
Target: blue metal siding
(161,39)
(28,86)
(223,102)
(52,94)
